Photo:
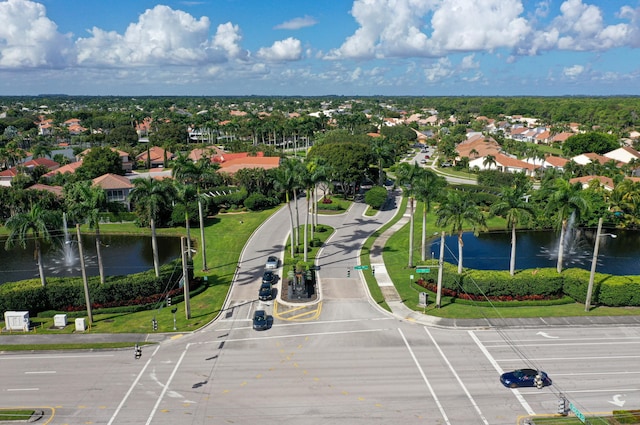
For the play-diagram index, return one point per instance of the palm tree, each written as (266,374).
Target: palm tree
(84,202)
(488,161)
(407,176)
(150,197)
(381,150)
(474,152)
(37,221)
(513,207)
(286,182)
(565,200)
(41,151)
(185,195)
(458,210)
(200,174)
(428,187)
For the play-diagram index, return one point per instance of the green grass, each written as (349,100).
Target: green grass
(15,415)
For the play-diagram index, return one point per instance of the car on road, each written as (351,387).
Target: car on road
(265,293)
(525,378)
(260,320)
(269,277)
(272,262)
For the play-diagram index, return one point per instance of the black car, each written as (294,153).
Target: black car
(269,277)
(265,292)
(525,378)
(260,320)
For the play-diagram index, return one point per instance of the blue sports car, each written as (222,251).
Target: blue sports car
(525,378)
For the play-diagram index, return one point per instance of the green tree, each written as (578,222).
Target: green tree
(99,161)
(122,135)
(286,181)
(457,210)
(408,175)
(84,202)
(515,209)
(589,142)
(376,197)
(38,222)
(428,188)
(150,197)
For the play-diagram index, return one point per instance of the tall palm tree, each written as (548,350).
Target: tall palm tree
(84,202)
(407,176)
(513,207)
(37,221)
(566,199)
(200,174)
(382,150)
(185,196)
(428,188)
(150,197)
(286,182)
(458,210)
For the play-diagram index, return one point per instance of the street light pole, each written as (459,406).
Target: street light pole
(440,267)
(596,246)
(185,276)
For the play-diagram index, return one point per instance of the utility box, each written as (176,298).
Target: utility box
(60,320)
(16,321)
(81,325)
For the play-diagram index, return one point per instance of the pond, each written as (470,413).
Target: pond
(491,251)
(121,255)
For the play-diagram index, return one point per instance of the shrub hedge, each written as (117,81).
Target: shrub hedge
(537,284)
(67,294)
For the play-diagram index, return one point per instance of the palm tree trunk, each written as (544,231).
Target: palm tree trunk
(561,246)
(154,246)
(295,201)
(291,237)
(306,227)
(411,233)
(99,255)
(512,262)
(460,245)
(423,244)
(202,241)
(43,280)
(187,226)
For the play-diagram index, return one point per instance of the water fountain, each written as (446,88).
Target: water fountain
(68,261)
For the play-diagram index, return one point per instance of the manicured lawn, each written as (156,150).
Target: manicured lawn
(15,415)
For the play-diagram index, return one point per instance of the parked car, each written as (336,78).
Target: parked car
(260,320)
(525,378)
(272,262)
(269,277)
(265,293)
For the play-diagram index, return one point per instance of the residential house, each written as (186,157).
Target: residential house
(116,188)
(56,190)
(625,154)
(68,168)
(478,146)
(7,176)
(265,162)
(505,164)
(155,157)
(586,181)
(561,137)
(587,158)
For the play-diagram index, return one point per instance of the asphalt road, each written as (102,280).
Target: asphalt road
(341,360)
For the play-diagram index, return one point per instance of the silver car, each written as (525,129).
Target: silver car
(272,262)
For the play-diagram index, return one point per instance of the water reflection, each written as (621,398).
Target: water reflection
(121,255)
(490,251)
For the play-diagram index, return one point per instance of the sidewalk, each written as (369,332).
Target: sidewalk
(400,310)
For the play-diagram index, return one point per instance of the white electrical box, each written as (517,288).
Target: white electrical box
(16,320)
(60,320)
(80,325)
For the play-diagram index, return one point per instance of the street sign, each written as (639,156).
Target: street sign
(423,270)
(361,268)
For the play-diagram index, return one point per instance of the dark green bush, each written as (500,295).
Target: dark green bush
(258,202)
(376,197)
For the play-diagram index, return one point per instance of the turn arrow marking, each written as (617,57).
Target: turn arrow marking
(546,335)
(616,400)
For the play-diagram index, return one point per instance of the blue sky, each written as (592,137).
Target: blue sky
(320,47)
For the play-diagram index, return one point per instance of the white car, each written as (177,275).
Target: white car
(272,262)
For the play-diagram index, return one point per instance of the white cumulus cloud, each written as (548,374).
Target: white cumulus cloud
(29,39)
(573,71)
(286,50)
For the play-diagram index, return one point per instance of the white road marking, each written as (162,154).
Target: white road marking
(40,372)
(297,335)
(424,378)
(455,374)
(23,389)
(164,390)
(495,364)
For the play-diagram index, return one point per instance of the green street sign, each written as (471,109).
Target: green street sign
(423,270)
(361,267)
